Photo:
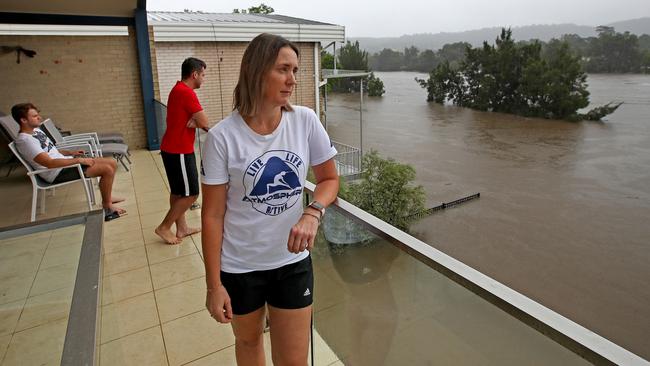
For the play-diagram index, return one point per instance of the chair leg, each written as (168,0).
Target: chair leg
(88,187)
(121,160)
(34,200)
(127,158)
(43,202)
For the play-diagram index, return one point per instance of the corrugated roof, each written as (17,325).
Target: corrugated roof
(292,20)
(221,27)
(168,16)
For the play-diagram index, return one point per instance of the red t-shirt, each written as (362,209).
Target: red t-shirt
(181,105)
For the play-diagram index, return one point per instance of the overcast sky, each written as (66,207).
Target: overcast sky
(382,18)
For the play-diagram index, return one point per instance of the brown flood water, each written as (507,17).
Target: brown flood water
(564,213)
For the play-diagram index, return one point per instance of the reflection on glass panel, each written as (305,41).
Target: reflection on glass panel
(37,278)
(377,305)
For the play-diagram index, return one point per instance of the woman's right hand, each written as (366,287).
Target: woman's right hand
(217,301)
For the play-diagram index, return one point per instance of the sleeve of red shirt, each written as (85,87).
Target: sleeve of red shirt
(192,104)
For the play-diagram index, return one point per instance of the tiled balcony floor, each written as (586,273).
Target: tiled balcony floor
(153,294)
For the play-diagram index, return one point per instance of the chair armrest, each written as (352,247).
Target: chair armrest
(78,166)
(95,147)
(92,135)
(79,145)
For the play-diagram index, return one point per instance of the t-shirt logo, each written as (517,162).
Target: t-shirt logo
(272,182)
(45,142)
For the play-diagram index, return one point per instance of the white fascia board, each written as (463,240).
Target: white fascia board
(243,32)
(62,30)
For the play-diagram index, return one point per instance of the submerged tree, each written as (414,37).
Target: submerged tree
(386,190)
(375,86)
(514,78)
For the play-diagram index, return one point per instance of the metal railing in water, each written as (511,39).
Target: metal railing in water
(348,159)
(398,300)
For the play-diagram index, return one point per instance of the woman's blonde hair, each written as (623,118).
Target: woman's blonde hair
(259,58)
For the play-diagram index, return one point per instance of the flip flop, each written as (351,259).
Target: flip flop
(111,216)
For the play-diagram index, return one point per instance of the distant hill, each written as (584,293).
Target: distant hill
(476,37)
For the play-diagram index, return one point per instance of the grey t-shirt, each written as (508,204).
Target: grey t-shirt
(30,146)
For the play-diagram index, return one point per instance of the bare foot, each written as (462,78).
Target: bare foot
(120,211)
(115,199)
(187,232)
(167,236)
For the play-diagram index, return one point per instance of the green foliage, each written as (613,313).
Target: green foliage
(645,62)
(514,78)
(351,57)
(375,86)
(414,60)
(610,52)
(386,190)
(388,60)
(614,52)
(260,9)
(326,60)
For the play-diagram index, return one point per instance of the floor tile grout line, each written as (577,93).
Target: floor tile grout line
(130,334)
(209,354)
(6,350)
(49,238)
(153,290)
(45,323)
(155,299)
(149,265)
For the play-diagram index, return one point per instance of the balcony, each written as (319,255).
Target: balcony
(391,300)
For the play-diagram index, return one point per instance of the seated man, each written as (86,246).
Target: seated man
(34,146)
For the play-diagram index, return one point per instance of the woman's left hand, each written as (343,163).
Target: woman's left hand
(302,234)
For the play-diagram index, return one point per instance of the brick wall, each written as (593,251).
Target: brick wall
(223,60)
(83,83)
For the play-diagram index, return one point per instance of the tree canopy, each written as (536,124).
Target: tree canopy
(260,9)
(609,52)
(515,78)
(352,57)
(386,190)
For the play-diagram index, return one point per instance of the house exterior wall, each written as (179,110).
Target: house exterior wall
(223,60)
(83,83)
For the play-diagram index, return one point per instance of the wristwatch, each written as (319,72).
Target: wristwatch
(317,206)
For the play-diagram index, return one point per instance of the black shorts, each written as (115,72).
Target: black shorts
(68,174)
(181,172)
(287,287)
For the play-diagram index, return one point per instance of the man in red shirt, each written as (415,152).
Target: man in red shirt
(184,115)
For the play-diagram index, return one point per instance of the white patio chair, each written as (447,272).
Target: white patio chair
(118,151)
(40,184)
(12,130)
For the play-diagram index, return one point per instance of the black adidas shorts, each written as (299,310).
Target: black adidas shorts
(287,287)
(181,172)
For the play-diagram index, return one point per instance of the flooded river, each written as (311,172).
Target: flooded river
(564,213)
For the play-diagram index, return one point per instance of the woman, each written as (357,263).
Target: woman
(256,235)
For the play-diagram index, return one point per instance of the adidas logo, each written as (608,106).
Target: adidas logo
(307,293)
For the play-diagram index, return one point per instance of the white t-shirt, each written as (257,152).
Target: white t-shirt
(265,176)
(29,146)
